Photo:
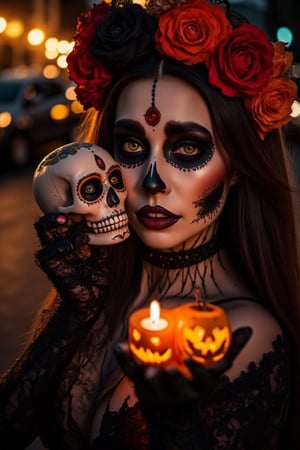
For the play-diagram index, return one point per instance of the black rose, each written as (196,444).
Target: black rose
(124,35)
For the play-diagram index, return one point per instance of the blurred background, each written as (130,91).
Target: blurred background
(39,112)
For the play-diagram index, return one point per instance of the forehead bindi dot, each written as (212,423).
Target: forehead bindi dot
(153,115)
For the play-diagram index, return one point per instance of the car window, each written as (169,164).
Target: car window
(52,89)
(33,94)
(9,91)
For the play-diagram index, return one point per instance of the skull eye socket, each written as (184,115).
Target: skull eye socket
(90,189)
(116,180)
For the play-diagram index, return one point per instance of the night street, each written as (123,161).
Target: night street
(22,284)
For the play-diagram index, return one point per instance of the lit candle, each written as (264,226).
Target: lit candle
(151,334)
(154,322)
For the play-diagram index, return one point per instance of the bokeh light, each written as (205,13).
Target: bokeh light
(62,61)
(36,36)
(3,24)
(59,112)
(63,46)
(51,71)
(14,29)
(51,54)
(70,93)
(295,109)
(51,44)
(5,119)
(284,34)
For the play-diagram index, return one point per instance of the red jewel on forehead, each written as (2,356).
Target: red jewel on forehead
(153,115)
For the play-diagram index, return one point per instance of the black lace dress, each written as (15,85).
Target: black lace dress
(52,395)
(248,413)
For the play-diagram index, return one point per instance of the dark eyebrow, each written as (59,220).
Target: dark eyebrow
(131,126)
(173,127)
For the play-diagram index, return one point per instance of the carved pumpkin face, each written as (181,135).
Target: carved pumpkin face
(203,335)
(151,346)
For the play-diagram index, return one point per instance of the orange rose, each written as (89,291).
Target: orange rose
(272,107)
(282,59)
(190,32)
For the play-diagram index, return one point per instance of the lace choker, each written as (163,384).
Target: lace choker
(183,258)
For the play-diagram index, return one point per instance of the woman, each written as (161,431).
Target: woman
(184,100)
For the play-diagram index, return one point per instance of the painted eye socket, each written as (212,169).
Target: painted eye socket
(116,180)
(90,189)
(130,152)
(191,154)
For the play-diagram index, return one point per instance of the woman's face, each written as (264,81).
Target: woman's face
(177,179)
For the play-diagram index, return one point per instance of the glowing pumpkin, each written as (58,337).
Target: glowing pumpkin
(151,335)
(202,333)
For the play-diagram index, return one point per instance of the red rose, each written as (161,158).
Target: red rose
(190,32)
(90,76)
(272,107)
(88,22)
(242,63)
(92,94)
(83,67)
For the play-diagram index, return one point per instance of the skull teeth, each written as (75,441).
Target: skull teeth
(108,224)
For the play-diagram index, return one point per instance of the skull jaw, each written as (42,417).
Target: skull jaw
(110,237)
(109,230)
(102,235)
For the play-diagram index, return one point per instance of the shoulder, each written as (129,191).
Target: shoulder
(252,313)
(265,332)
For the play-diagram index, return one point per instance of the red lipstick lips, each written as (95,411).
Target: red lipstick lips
(156,217)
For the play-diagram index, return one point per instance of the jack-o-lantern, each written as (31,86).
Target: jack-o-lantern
(151,335)
(202,333)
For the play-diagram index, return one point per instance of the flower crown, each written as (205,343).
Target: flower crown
(240,59)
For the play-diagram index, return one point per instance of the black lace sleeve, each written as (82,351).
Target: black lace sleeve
(33,379)
(80,274)
(245,414)
(256,405)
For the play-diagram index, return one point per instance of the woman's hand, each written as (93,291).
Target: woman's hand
(78,270)
(168,388)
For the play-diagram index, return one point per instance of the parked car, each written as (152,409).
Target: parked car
(34,111)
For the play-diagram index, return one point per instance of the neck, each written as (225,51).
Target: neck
(184,258)
(178,273)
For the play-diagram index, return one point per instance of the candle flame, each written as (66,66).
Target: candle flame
(154,311)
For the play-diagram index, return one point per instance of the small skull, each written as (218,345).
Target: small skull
(84,179)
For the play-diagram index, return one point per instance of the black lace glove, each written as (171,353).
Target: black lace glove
(79,271)
(171,402)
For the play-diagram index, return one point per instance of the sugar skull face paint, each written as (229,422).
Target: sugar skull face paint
(176,177)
